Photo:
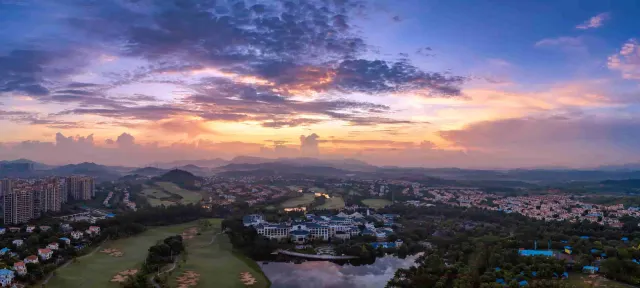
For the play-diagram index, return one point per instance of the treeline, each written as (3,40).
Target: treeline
(248,241)
(159,255)
(131,223)
(471,243)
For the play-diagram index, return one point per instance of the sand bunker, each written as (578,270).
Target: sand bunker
(189,233)
(188,279)
(112,252)
(123,275)
(247,279)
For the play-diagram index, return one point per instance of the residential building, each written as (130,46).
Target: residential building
(18,242)
(6,277)
(45,254)
(30,229)
(50,197)
(31,259)
(53,246)
(18,206)
(4,250)
(80,187)
(2,231)
(93,230)
(20,268)
(76,235)
(66,240)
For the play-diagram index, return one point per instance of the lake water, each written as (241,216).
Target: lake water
(323,274)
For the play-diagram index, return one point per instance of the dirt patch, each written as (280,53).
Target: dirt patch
(188,279)
(112,252)
(247,279)
(189,233)
(123,275)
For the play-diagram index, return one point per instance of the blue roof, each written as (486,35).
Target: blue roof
(110,215)
(497,269)
(375,245)
(6,272)
(500,281)
(534,273)
(584,237)
(565,275)
(625,239)
(523,283)
(65,239)
(603,255)
(635,261)
(300,232)
(4,250)
(535,253)
(568,247)
(564,241)
(594,250)
(590,268)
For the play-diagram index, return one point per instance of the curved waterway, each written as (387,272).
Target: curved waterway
(324,274)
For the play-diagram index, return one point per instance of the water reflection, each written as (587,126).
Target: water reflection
(322,274)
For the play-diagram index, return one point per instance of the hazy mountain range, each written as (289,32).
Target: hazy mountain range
(256,166)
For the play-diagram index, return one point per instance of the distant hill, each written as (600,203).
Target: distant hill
(279,169)
(100,172)
(208,163)
(181,178)
(195,170)
(36,165)
(148,171)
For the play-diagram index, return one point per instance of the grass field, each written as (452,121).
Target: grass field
(188,197)
(96,270)
(332,203)
(376,203)
(164,193)
(298,201)
(217,265)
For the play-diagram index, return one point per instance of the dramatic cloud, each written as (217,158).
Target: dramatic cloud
(627,61)
(309,145)
(594,22)
(554,140)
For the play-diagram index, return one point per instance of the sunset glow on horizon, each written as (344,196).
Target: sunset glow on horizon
(412,83)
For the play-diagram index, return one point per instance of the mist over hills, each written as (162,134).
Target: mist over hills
(346,168)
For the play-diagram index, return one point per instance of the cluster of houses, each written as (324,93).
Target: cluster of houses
(44,254)
(325,228)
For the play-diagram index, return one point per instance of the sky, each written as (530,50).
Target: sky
(420,83)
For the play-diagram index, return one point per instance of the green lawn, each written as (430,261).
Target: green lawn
(217,265)
(332,203)
(305,199)
(376,203)
(164,193)
(96,270)
(188,197)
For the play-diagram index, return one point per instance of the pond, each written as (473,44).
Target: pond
(323,274)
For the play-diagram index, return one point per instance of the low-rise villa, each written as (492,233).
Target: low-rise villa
(45,254)
(6,277)
(53,246)
(31,259)
(18,242)
(66,240)
(20,268)
(30,229)
(76,235)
